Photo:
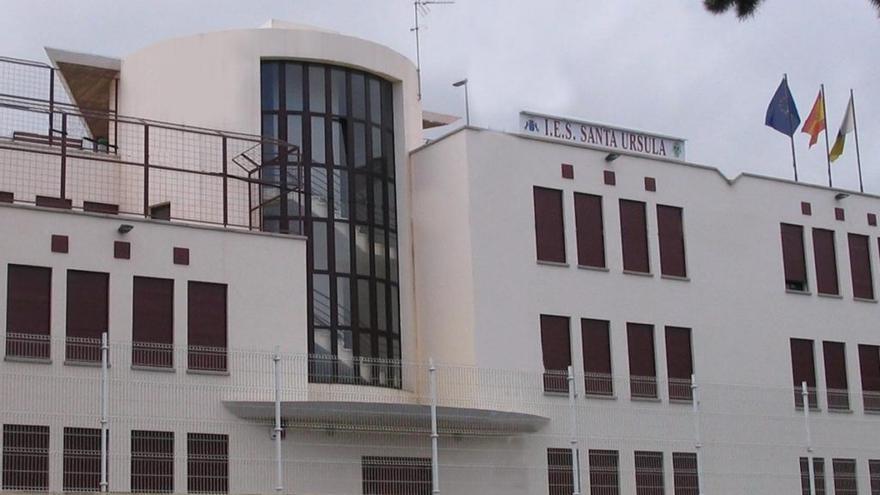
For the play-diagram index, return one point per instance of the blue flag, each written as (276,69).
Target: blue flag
(782,115)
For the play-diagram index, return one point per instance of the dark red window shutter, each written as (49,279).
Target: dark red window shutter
(549,225)
(25,457)
(87,314)
(826,261)
(634,236)
(803,369)
(556,350)
(596,343)
(671,234)
(207,463)
(874,473)
(793,258)
(604,472)
(860,266)
(153,321)
(869,367)
(649,473)
(685,473)
(82,459)
(818,475)
(590,230)
(642,367)
(396,475)
(206,326)
(152,461)
(835,375)
(845,482)
(28,302)
(560,475)
(679,362)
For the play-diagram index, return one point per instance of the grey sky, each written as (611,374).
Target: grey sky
(663,66)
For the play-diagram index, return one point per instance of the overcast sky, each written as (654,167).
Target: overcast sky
(662,66)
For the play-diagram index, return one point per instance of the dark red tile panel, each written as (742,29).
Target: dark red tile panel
(95,207)
(650,184)
(872,219)
(839,214)
(181,256)
(610,179)
(121,250)
(806,208)
(50,202)
(6,197)
(567,171)
(60,243)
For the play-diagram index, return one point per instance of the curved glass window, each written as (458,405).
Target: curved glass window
(342,120)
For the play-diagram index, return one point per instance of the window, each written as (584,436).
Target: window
(869,366)
(803,369)
(874,471)
(396,475)
(685,473)
(835,375)
(559,471)
(604,473)
(860,266)
(679,363)
(153,322)
(82,459)
(590,230)
(152,461)
(825,256)
(844,476)
(649,473)
(818,475)
(206,326)
(634,236)
(28,300)
(207,463)
(596,342)
(642,368)
(556,350)
(793,258)
(25,457)
(87,314)
(549,225)
(671,234)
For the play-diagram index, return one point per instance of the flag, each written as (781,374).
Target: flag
(845,128)
(782,114)
(815,123)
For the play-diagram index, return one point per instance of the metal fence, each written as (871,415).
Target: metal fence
(260,426)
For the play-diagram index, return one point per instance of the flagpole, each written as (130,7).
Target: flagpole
(856,132)
(791,137)
(827,146)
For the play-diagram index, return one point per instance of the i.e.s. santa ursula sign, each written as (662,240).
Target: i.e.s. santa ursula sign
(591,134)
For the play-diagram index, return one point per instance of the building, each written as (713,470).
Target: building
(255,221)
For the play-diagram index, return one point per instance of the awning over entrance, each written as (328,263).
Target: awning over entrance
(89,80)
(403,418)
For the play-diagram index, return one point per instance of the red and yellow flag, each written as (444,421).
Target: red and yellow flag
(815,123)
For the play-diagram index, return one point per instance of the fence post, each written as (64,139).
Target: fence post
(226,184)
(146,170)
(435,463)
(51,105)
(104,400)
(575,461)
(63,154)
(698,441)
(805,398)
(279,481)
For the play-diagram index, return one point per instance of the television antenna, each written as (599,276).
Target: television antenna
(422,7)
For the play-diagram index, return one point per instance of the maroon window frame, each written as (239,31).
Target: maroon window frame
(207,463)
(25,457)
(793,257)
(87,314)
(869,367)
(836,381)
(28,311)
(685,475)
(153,322)
(596,348)
(670,231)
(803,369)
(560,475)
(634,236)
(549,225)
(825,255)
(845,482)
(679,363)
(642,360)
(604,472)
(152,461)
(82,460)
(818,475)
(590,230)
(860,266)
(649,473)
(396,475)
(556,352)
(206,326)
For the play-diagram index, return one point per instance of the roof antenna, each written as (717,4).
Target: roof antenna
(422,7)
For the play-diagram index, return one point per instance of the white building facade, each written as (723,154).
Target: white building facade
(254,222)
